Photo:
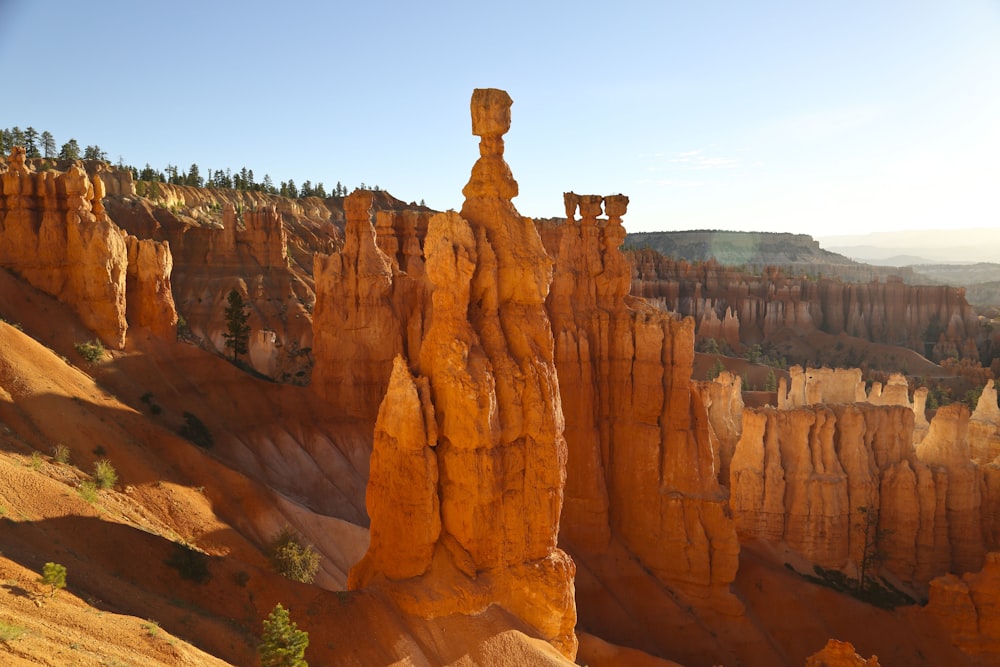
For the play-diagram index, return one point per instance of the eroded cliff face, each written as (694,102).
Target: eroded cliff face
(968,608)
(371,297)
(469,437)
(932,320)
(261,245)
(812,474)
(56,234)
(643,463)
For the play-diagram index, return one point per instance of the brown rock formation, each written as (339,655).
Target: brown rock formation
(356,330)
(473,447)
(801,475)
(890,312)
(839,654)
(55,233)
(968,607)
(643,461)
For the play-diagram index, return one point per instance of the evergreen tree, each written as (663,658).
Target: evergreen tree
(17,136)
(293,192)
(70,150)
(307,189)
(250,183)
(31,143)
(48,144)
(339,190)
(194,177)
(94,153)
(237,330)
(282,644)
(771,383)
(320,191)
(268,184)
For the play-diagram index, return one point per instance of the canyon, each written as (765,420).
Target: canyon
(488,426)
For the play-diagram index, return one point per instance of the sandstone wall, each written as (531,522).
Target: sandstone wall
(889,312)
(56,234)
(802,476)
(643,459)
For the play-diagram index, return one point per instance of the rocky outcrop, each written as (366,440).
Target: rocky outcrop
(889,311)
(150,301)
(369,309)
(467,475)
(968,608)
(812,477)
(643,460)
(56,234)
(840,654)
(984,427)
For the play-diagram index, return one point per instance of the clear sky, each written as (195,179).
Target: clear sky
(819,118)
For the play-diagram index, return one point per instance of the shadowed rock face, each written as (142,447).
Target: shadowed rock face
(55,233)
(643,462)
(934,320)
(468,468)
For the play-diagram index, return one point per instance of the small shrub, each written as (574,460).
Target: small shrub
(36,460)
(10,632)
(88,491)
(105,474)
(61,454)
(293,558)
(92,351)
(282,644)
(196,431)
(189,563)
(151,627)
(54,575)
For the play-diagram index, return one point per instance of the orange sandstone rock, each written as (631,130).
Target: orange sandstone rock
(839,654)
(56,234)
(469,473)
(968,607)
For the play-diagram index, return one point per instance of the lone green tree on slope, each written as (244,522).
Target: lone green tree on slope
(282,644)
(237,330)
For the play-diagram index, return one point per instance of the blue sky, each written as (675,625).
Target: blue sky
(817,118)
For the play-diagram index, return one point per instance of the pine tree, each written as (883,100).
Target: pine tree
(194,177)
(94,153)
(237,330)
(282,644)
(31,143)
(48,144)
(70,150)
(54,575)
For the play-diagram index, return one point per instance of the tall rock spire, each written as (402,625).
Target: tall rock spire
(482,415)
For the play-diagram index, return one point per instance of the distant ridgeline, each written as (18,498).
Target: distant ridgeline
(795,253)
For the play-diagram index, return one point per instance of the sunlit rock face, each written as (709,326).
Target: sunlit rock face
(469,461)
(56,234)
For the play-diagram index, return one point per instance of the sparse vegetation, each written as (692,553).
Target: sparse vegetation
(237,330)
(91,351)
(88,491)
(282,644)
(36,460)
(54,576)
(151,627)
(10,632)
(294,558)
(716,370)
(61,454)
(105,474)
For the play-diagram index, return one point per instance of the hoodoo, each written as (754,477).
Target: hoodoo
(468,467)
